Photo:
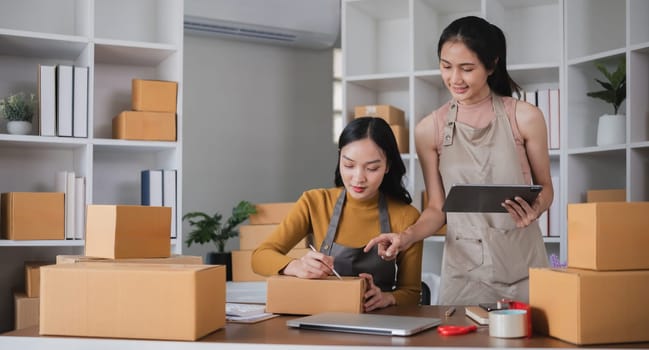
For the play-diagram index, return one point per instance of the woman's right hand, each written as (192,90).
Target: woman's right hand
(389,245)
(311,265)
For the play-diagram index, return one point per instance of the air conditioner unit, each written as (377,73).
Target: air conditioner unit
(302,23)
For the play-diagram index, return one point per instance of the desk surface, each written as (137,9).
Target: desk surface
(274,334)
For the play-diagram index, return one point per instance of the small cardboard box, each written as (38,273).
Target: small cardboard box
(148,126)
(33,215)
(174,259)
(128,231)
(242,266)
(270,213)
(251,236)
(391,114)
(33,278)
(590,307)
(141,301)
(26,311)
(606,196)
(154,95)
(608,235)
(299,296)
(401,135)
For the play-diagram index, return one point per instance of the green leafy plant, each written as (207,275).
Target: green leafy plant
(209,228)
(19,107)
(615,88)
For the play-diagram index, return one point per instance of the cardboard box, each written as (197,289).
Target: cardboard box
(401,135)
(242,266)
(174,259)
(154,95)
(608,235)
(298,296)
(270,213)
(391,114)
(33,278)
(128,231)
(142,301)
(606,196)
(148,126)
(26,311)
(33,215)
(251,236)
(590,307)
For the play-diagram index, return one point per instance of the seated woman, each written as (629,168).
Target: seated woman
(369,199)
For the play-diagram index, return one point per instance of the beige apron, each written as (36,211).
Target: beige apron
(486,257)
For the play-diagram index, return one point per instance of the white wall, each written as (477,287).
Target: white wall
(257,125)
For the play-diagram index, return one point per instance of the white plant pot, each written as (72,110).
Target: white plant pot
(18,127)
(611,130)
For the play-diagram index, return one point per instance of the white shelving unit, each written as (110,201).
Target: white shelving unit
(118,40)
(390,57)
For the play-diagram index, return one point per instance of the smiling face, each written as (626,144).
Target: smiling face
(463,73)
(362,167)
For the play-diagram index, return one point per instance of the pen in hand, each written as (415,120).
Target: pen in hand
(332,269)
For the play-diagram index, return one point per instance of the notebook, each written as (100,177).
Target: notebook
(365,323)
(486,198)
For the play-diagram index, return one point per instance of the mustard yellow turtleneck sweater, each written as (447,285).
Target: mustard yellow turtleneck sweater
(359,222)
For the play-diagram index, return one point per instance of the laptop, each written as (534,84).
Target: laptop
(365,323)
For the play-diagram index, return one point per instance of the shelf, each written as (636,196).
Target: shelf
(42,243)
(594,26)
(131,145)
(131,52)
(29,44)
(45,142)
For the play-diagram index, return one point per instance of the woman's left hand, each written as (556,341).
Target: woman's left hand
(374,297)
(522,213)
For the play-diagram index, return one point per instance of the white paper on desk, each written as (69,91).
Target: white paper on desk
(246,292)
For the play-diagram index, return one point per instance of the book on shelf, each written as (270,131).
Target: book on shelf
(151,187)
(80,102)
(64,87)
(543,102)
(65,182)
(47,100)
(80,207)
(169,190)
(554,212)
(555,119)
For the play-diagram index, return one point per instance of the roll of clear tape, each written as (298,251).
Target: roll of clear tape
(508,323)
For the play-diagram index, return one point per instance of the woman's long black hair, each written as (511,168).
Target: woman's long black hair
(489,44)
(380,132)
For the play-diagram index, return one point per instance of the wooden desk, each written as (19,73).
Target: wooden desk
(274,334)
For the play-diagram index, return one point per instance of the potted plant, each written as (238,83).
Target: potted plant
(19,109)
(210,228)
(611,128)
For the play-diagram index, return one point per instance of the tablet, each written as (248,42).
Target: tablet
(486,198)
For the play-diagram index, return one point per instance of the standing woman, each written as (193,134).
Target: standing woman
(481,136)
(369,198)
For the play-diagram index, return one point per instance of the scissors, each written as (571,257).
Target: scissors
(455,330)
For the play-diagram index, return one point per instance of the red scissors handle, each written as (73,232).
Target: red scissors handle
(455,330)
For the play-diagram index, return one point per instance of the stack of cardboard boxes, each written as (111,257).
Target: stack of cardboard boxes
(127,285)
(26,304)
(602,296)
(153,116)
(261,225)
(394,116)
